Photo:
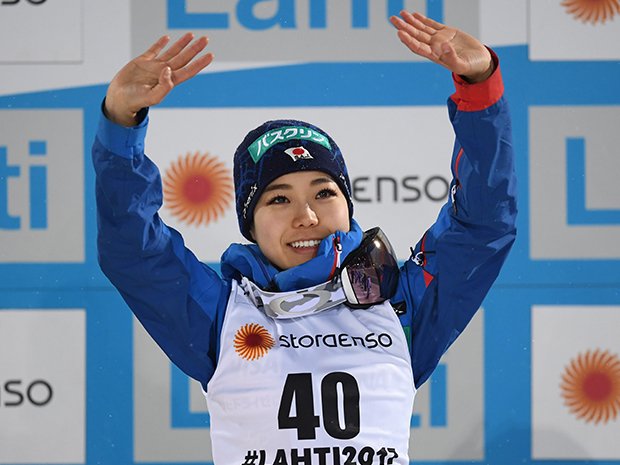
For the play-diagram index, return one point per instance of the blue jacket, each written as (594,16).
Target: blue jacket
(181,302)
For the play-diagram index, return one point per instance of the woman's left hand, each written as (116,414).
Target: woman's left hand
(452,48)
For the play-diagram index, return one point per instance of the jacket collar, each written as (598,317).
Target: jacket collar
(247,260)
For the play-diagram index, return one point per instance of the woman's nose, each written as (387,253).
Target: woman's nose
(305,216)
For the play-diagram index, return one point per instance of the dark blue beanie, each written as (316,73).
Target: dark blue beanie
(279,147)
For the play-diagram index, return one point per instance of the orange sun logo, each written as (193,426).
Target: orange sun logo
(592,11)
(197,188)
(591,386)
(252,341)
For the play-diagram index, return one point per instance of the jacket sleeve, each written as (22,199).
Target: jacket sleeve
(179,300)
(459,257)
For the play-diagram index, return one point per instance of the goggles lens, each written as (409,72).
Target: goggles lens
(370,274)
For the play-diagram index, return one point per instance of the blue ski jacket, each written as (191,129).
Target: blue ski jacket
(181,302)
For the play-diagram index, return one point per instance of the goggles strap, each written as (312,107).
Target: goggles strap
(297,303)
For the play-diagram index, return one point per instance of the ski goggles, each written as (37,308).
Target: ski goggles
(369,274)
(367,277)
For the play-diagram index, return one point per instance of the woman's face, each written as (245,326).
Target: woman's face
(294,213)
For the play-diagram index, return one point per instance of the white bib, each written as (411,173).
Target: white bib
(332,388)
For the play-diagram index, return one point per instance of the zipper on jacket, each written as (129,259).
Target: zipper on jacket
(457,182)
(337,251)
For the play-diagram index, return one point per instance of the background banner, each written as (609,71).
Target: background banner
(586,371)
(81,383)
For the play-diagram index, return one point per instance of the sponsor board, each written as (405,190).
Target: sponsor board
(574,30)
(293,30)
(448,414)
(42,386)
(84,57)
(496,32)
(574,204)
(41,186)
(155,437)
(40,31)
(392,178)
(575,382)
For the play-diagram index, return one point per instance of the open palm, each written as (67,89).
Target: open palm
(456,50)
(147,79)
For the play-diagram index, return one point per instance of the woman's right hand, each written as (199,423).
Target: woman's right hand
(147,79)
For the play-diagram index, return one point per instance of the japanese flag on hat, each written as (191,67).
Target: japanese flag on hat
(298,153)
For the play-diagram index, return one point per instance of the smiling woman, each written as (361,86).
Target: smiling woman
(313,311)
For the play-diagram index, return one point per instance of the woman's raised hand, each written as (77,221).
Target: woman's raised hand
(147,79)
(456,50)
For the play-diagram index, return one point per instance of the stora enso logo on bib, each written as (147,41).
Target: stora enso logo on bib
(252,341)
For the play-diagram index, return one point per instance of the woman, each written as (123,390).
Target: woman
(298,346)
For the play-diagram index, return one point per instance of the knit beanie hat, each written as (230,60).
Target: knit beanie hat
(279,147)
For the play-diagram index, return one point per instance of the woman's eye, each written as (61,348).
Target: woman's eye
(277,199)
(325,193)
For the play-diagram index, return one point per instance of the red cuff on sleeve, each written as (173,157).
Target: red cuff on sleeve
(481,95)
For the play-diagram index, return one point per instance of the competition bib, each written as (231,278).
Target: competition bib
(331,388)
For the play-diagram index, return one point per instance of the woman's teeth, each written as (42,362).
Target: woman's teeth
(299,244)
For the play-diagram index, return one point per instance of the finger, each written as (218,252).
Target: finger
(447,52)
(188,54)
(450,59)
(428,22)
(410,29)
(162,88)
(176,48)
(416,46)
(192,69)
(443,42)
(157,47)
(416,19)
